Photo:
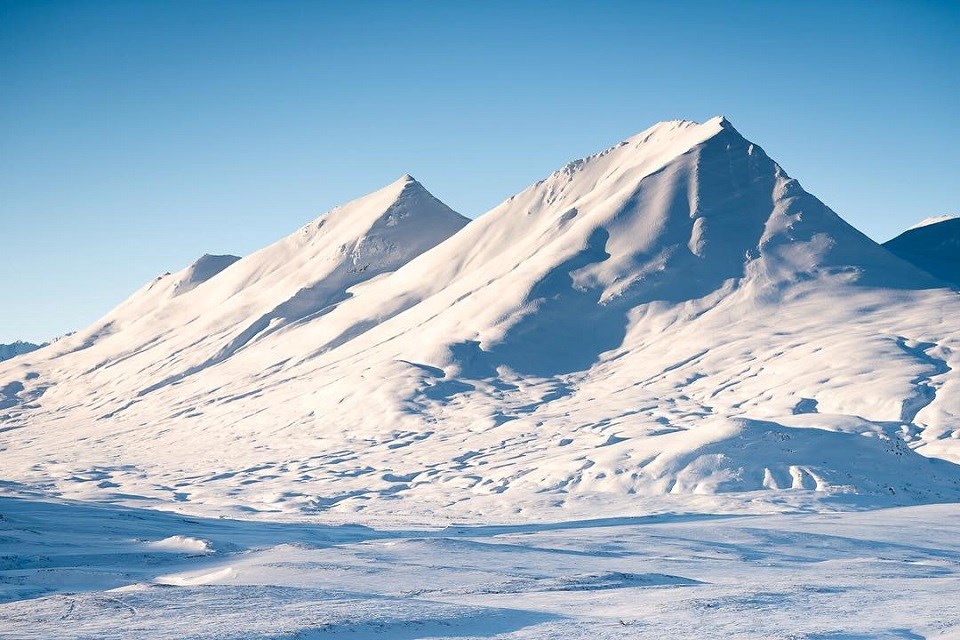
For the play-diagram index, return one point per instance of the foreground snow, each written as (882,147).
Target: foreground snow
(72,570)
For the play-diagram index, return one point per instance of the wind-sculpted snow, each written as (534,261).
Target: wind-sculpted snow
(97,572)
(673,319)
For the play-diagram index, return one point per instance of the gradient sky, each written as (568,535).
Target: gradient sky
(136,136)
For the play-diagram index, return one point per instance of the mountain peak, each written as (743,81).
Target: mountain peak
(639,156)
(671,138)
(406,183)
(405,192)
(720,120)
(706,129)
(406,198)
(403,188)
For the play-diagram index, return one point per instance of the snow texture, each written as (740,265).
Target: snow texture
(674,315)
(83,572)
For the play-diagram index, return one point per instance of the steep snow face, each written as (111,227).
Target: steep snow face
(672,215)
(933,245)
(672,316)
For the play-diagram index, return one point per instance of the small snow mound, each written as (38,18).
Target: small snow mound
(182,544)
(196,579)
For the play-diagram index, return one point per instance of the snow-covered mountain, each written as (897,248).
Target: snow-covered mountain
(932,220)
(933,245)
(16,348)
(674,315)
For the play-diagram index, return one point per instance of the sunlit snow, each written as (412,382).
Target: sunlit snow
(662,387)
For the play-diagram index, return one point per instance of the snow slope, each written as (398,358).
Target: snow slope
(181,323)
(672,321)
(933,245)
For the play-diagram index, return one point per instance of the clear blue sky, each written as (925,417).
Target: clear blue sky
(135,136)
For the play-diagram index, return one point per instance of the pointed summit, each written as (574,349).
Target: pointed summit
(720,121)
(646,152)
(405,199)
(410,186)
(683,130)
(404,182)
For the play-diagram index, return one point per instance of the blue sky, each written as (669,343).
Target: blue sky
(136,136)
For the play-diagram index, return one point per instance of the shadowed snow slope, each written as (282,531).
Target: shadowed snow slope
(933,245)
(674,315)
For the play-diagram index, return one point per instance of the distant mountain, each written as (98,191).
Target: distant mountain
(933,245)
(17,348)
(932,220)
(671,318)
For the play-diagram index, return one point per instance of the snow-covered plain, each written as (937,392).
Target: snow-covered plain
(78,570)
(661,386)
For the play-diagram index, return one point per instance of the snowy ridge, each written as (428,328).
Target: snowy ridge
(932,220)
(674,316)
(174,327)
